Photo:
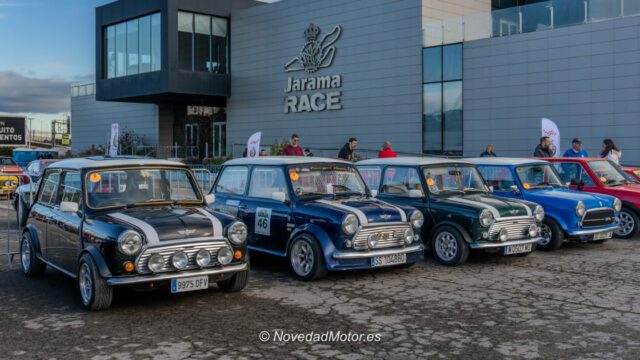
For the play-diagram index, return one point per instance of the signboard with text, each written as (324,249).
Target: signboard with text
(13,131)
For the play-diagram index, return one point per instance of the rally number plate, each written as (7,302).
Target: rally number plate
(387,260)
(189,284)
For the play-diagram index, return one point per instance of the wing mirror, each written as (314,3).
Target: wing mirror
(374,193)
(415,193)
(209,199)
(491,188)
(578,183)
(68,207)
(279,196)
(514,189)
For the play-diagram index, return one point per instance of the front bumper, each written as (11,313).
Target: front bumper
(138,279)
(493,245)
(591,232)
(354,260)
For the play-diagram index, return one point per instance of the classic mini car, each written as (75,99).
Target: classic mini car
(9,172)
(569,214)
(634,172)
(130,222)
(460,213)
(597,175)
(317,213)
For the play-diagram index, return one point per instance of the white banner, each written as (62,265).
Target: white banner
(550,129)
(113,140)
(253,145)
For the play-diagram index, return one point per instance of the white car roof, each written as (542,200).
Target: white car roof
(102,161)
(283,160)
(502,161)
(412,161)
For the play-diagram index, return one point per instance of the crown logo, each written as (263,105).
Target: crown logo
(312,32)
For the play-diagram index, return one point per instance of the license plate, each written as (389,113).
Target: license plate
(189,284)
(604,235)
(517,249)
(386,260)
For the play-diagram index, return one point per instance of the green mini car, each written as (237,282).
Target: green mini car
(460,212)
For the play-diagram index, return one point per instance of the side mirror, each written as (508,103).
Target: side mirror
(279,196)
(68,207)
(491,188)
(578,183)
(415,193)
(374,193)
(209,199)
(514,189)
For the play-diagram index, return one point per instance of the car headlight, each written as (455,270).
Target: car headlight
(533,230)
(504,235)
(580,209)
(486,218)
(225,255)
(203,258)
(617,205)
(237,232)
(538,213)
(408,236)
(350,224)
(129,242)
(180,260)
(417,219)
(155,263)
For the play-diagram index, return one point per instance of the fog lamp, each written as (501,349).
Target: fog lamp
(155,263)
(203,258)
(225,255)
(180,260)
(504,235)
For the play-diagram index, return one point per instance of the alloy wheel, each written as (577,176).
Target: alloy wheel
(446,246)
(302,258)
(627,224)
(86,283)
(545,234)
(25,255)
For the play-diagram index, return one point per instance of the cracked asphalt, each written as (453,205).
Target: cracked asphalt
(580,302)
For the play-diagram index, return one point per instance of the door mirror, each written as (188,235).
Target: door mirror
(415,193)
(279,196)
(491,188)
(514,189)
(68,207)
(578,183)
(374,193)
(209,199)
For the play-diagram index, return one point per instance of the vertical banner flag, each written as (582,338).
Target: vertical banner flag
(550,129)
(253,145)
(113,140)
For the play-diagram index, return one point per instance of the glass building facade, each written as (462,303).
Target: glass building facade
(202,43)
(132,47)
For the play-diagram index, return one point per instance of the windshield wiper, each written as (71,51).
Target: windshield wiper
(451,190)
(466,190)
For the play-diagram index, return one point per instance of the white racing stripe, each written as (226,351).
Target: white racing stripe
(403,215)
(357,212)
(494,211)
(148,230)
(528,209)
(217,225)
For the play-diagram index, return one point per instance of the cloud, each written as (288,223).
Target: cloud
(19,93)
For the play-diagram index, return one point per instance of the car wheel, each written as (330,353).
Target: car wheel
(552,235)
(306,258)
(31,265)
(235,283)
(94,291)
(628,224)
(449,247)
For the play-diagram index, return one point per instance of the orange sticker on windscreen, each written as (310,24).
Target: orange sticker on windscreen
(95,177)
(430,182)
(527,186)
(603,179)
(293,175)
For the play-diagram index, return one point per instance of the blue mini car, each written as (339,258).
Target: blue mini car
(318,213)
(569,215)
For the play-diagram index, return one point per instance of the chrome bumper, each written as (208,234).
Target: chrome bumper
(613,227)
(475,245)
(174,275)
(367,254)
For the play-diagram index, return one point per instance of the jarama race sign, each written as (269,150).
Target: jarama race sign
(13,131)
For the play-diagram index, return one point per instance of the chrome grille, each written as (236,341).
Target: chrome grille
(389,236)
(190,249)
(516,228)
(598,217)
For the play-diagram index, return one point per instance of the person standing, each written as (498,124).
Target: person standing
(293,149)
(347,151)
(386,151)
(576,150)
(543,150)
(488,152)
(610,151)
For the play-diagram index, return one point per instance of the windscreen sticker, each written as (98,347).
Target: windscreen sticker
(263,221)
(603,179)
(95,177)
(294,175)
(526,186)
(430,182)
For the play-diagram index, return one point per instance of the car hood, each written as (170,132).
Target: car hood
(160,224)
(499,207)
(366,209)
(565,198)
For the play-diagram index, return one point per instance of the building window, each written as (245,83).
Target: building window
(442,100)
(83,90)
(202,43)
(132,47)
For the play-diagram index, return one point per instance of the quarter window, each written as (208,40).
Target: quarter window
(401,180)
(233,180)
(267,180)
(49,188)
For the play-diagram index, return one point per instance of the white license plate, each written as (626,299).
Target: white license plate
(189,284)
(604,235)
(517,249)
(386,260)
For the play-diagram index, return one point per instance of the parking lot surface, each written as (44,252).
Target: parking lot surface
(582,301)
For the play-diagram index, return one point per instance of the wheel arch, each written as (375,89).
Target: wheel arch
(98,259)
(463,231)
(324,240)
(34,236)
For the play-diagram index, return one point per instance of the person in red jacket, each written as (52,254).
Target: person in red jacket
(386,151)
(293,149)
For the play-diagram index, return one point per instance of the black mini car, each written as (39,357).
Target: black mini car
(137,222)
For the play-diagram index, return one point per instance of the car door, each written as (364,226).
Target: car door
(268,209)
(68,224)
(41,214)
(230,189)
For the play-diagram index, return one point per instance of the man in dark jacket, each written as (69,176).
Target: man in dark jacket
(347,151)
(543,149)
(488,152)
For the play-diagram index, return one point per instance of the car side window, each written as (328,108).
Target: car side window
(70,188)
(570,171)
(400,180)
(49,188)
(267,180)
(500,177)
(371,176)
(233,180)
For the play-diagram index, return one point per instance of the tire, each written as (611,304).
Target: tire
(629,224)
(95,294)
(235,283)
(448,246)
(553,235)
(29,262)
(306,258)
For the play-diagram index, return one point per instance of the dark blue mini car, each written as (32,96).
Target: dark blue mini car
(318,213)
(569,215)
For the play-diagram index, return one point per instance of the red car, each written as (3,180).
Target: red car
(601,176)
(634,172)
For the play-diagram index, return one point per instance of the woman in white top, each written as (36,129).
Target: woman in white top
(611,151)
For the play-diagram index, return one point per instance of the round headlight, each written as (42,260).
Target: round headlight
(533,230)
(504,235)
(417,219)
(408,236)
(203,258)
(486,218)
(580,209)
(350,224)
(372,241)
(225,255)
(130,242)
(617,205)
(155,263)
(180,260)
(237,232)
(538,213)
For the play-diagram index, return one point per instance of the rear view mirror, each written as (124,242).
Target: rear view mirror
(68,207)
(279,196)
(374,193)
(578,183)
(514,189)
(415,193)
(209,199)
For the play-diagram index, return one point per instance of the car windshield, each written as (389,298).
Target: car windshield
(607,173)
(538,176)
(7,162)
(453,179)
(323,180)
(129,187)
